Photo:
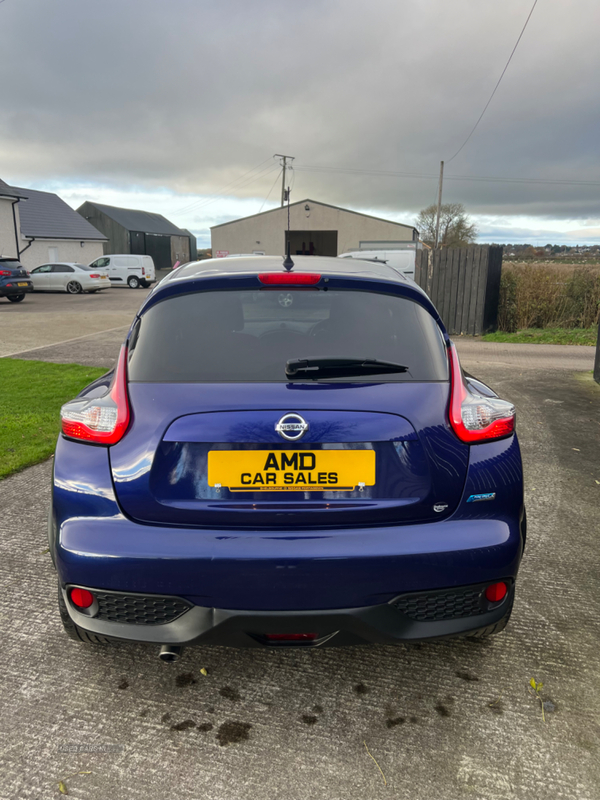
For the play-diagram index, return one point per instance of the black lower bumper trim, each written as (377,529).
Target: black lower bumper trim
(384,624)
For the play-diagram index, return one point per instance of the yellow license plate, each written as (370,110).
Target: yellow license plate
(291,470)
(22,284)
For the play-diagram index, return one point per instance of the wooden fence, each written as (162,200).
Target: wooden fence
(464,285)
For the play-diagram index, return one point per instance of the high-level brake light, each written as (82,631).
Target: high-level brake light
(472,417)
(103,420)
(289,278)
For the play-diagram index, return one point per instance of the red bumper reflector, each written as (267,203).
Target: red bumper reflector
(291,637)
(81,598)
(496,592)
(289,278)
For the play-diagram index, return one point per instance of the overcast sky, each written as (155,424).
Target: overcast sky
(163,104)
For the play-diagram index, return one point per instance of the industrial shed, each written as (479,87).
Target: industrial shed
(315,229)
(140,232)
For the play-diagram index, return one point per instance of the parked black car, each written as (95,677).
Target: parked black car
(14,280)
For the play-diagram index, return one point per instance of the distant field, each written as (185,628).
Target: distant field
(569,263)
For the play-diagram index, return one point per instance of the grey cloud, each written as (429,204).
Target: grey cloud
(189,95)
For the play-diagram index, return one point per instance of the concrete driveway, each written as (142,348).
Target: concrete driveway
(442,721)
(46,318)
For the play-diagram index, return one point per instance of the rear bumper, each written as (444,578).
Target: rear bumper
(384,624)
(264,571)
(5,290)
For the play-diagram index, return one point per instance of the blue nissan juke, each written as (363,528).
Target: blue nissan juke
(286,455)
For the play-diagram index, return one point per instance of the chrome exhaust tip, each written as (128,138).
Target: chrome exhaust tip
(170,653)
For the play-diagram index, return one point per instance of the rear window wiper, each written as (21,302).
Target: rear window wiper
(332,367)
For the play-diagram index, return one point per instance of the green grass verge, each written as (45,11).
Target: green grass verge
(586,336)
(31,394)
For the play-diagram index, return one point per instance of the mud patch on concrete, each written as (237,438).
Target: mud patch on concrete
(465,675)
(229,693)
(392,722)
(233,732)
(205,727)
(360,688)
(124,684)
(308,719)
(184,726)
(184,679)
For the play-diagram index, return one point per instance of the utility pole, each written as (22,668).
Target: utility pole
(439,207)
(285,158)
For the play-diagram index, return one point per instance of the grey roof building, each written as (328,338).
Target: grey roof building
(45,229)
(141,232)
(45,216)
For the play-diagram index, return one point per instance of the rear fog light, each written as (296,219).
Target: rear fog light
(290,637)
(496,592)
(81,598)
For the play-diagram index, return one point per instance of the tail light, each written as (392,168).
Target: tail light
(95,275)
(143,271)
(472,417)
(289,278)
(5,272)
(103,420)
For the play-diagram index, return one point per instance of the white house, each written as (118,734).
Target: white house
(9,221)
(44,228)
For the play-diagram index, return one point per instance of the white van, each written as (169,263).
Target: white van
(127,270)
(401,260)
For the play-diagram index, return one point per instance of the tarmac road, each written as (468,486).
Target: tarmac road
(448,720)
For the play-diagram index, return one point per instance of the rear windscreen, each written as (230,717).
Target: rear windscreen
(250,335)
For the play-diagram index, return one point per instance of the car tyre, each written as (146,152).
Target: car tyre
(491,630)
(16,298)
(74,631)
(133,282)
(74,287)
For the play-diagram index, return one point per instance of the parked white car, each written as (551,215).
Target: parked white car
(68,276)
(127,270)
(401,260)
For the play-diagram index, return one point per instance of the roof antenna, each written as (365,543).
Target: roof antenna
(287,262)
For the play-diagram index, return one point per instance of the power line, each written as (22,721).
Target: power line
(496,86)
(434,176)
(189,206)
(270,190)
(238,183)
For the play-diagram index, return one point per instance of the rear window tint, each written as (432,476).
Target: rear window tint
(250,335)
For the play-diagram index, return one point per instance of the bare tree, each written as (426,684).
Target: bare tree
(456,229)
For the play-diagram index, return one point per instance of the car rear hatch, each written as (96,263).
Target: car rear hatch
(12,269)
(212,407)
